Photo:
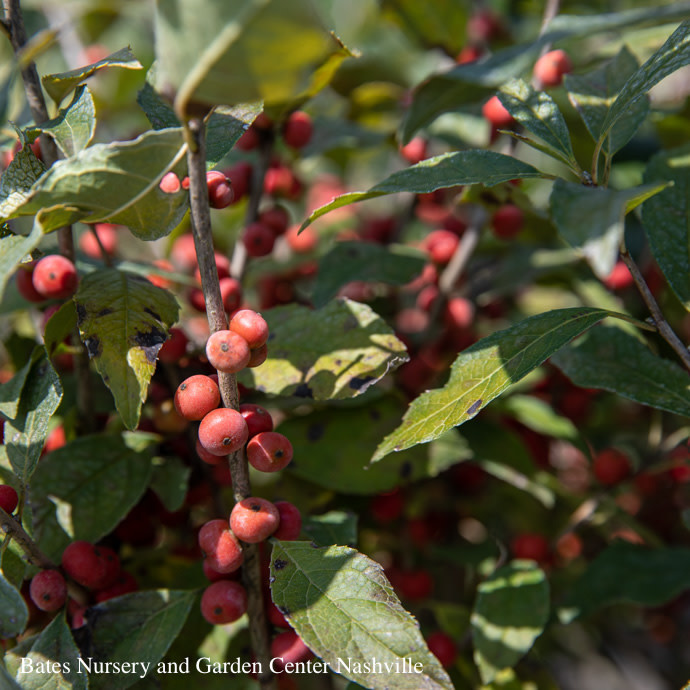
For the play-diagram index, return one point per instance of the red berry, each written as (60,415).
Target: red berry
(507,221)
(484,25)
(611,466)
(495,112)
(83,563)
(251,326)
(269,451)
(240,175)
(442,646)
(275,616)
(48,590)
(288,648)
(459,313)
(281,181)
(262,122)
(231,293)
(223,431)
(550,68)
(223,602)
(415,584)
(220,194)
(124,584)
(196,396)
(8,498)
(208,458)
(227,351)
(222,267)
(220,546)
(298,129)
(249,140)
(254,519)
(112,565)
(258,239)
(276,218)
(25,285)
(469,53)
(301,243)
(290,521)
(55,277)
(170,183)
(212,575)
(258,419)
(174,348)
(258,356)
(534,547)
(415,151)
(183,252)
(107,234)
(619,278)
(387,507)
(441,245)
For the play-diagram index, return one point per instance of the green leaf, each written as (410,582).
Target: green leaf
(116,182)
(12,563)
(538,113)
(613,360)
(666,219)
(591,219)
(511,611)
(538,415)
(469,83)
(123,321)
(593,93)
(223,129)
(97,479)
(341,605)
(324,434)
(6,680)
(367,262)
(674,54)
(241,51)
(17,181)
(59,327)
(447,170)
(334,527)
(349,348)
(15,248)
(138,627)
(26,434)
(170,481)
(11,391)
(74,126)
(59,85)
(630,573)
(53,648)
(15,615)
(484,371)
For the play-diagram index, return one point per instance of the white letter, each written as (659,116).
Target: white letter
(24,669)
(208,664)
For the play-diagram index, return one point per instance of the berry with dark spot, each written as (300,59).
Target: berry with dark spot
(220,194)
(254,519)
(227,351)
(48,590)
(196,396)
(223,602)
(269,451)
(223,431)
(55,277)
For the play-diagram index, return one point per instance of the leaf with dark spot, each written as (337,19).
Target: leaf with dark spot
(303,391)
(278,564)
(360,382)
(124,322)
(474,408)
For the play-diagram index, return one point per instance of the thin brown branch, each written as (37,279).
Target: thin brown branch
(217,319)
(468,243)
(551,9)
(14,529)
(665,331)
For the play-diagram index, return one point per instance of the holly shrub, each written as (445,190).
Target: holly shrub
(344,345)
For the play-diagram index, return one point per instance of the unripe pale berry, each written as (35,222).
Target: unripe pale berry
(227,351)
(254,519)
(223,431)
(258,419)
(196,396)
(298,129)
(223,602)
(220,194)
(8,498)
(290,521)
(55,277)
(269,451)
(223,551)
(48,590)
(170,183)
(550,68)
(251,326)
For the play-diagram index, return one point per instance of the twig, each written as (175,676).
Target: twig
(238,261)
(550,11)
(452,272)
(15,530)
(203,242)
(665,331)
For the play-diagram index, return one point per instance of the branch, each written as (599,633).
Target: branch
(203,243)
(665,331)
(15,530)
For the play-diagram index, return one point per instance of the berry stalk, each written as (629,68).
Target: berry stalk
(203,243)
